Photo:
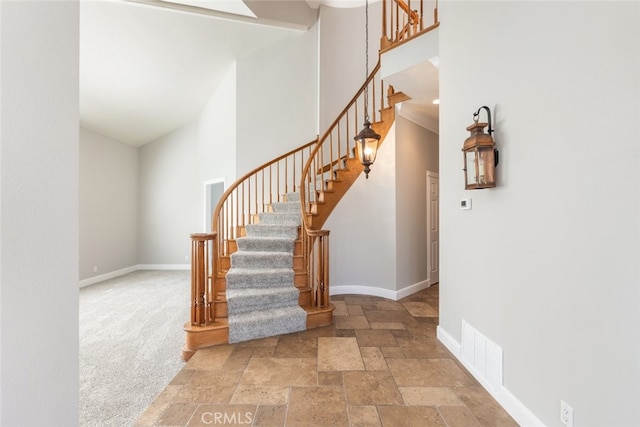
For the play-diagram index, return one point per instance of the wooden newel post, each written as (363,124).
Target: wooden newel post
(324,245)
(320,270)
(202,292)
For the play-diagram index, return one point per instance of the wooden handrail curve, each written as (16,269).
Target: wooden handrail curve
(247,176)
(250,195)
(333,162)
(333,150)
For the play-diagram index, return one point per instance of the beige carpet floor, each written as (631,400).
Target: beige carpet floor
(131,337)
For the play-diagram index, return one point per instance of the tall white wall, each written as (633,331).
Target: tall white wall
(342,56)
(39,213)
(108,205)
(217,133)
(546,265)
(277,99)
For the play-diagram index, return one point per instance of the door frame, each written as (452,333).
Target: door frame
(209,205)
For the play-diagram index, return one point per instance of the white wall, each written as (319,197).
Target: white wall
(277,99)
(217,133)
(342,56)
(363,233)
(170,198)
(39,213)
(108,204)
(546,264)
(416,153)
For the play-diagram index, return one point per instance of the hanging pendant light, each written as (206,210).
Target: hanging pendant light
(367,140)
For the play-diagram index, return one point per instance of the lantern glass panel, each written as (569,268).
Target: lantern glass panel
(470,162)
(367,150)
(486,164)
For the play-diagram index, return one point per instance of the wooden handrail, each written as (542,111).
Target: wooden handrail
(335,148)
(413,15)
(248,175)
(316,158)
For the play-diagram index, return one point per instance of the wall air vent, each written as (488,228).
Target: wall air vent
(482,357)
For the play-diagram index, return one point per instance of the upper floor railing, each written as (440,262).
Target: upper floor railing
(405,19)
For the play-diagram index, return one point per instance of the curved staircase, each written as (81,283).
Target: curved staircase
(264,270)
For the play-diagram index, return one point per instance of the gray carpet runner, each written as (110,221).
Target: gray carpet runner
(262,299)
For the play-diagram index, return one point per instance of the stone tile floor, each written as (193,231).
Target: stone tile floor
(379,364)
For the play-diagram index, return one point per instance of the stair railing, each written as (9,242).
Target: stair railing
(239,206)
(405,19)
(335,148)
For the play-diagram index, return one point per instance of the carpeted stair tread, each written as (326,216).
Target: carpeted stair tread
(259,277)
(293,197)
(260,259)
(272,230)
(285,218)
(249,299)
(286,206)
(264,243)
(266,323)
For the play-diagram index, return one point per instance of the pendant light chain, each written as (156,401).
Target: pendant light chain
(366,53)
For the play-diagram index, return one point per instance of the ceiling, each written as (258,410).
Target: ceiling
(148,67)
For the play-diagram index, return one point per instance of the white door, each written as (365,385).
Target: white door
(433,227)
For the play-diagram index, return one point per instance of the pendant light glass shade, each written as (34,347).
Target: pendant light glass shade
(367,146)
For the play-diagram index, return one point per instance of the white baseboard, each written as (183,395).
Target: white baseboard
(520,413)
(107,276)
(164,266)
(362,290)
(379,292)
(122,272)
(412,289)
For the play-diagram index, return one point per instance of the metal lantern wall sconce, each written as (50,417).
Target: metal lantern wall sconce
(367,140)
(480,154)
